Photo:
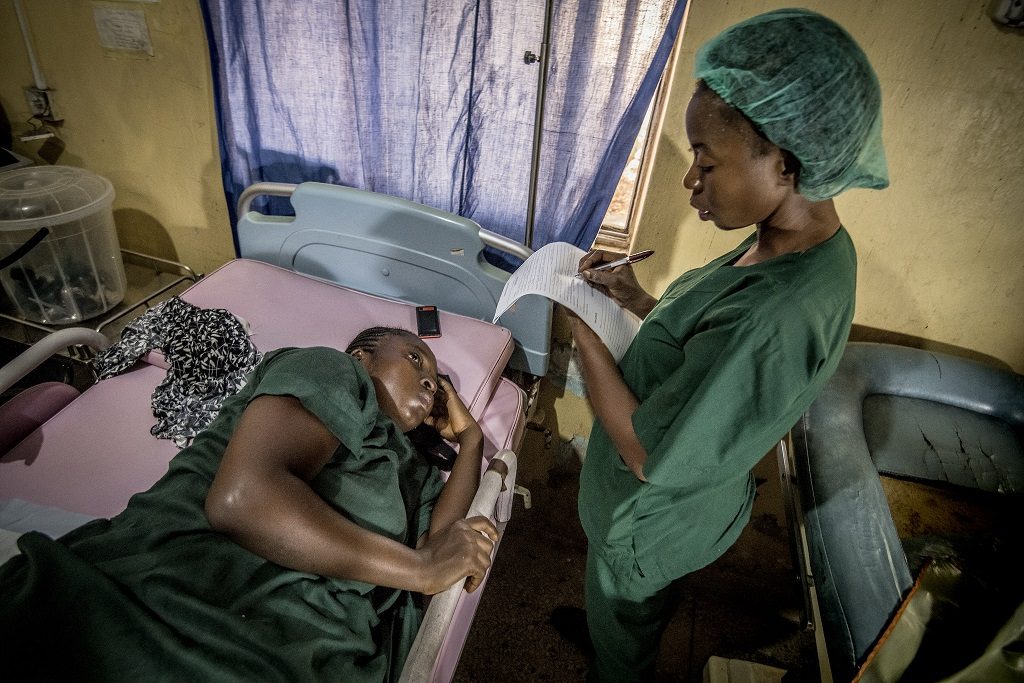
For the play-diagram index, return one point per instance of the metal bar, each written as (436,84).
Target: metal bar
(144,301)
(185,273)
(26,34)
(491,239)
(257,189)
(787,477)
(189,272)
(538,124)
(27,323)
(801,546)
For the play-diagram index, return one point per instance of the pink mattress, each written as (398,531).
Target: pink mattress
(96,452)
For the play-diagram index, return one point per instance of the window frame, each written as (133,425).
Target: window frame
(612,237)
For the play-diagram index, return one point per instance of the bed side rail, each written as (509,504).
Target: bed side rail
(39,352)
(801,552)
(494,496)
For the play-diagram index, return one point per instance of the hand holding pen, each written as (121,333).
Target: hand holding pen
(621,285)
(628,260)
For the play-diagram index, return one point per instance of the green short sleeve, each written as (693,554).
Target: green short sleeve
(379,460)
(329,383)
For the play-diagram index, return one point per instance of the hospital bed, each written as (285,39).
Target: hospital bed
(91,452)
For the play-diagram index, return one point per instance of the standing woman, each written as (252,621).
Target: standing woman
(785,116)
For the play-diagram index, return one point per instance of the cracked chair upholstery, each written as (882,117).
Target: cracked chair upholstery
(908,413)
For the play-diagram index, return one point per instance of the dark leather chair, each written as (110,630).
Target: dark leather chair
(897,411)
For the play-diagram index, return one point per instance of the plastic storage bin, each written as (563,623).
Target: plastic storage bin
(58,246)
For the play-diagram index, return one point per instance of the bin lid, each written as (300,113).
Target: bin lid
(36,196)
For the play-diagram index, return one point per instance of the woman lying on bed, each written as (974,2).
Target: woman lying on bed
(283,544)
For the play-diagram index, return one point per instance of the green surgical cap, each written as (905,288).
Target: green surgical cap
(810,89)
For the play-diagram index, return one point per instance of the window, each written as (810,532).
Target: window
(621,217)
(615,228)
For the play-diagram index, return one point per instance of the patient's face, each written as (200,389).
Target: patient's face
(404,373)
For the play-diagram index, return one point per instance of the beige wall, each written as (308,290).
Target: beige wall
(941,251)
(144,122)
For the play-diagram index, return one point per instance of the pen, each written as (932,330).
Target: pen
(632,258)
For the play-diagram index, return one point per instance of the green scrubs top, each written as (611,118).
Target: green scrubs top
(723,367)
(156,594)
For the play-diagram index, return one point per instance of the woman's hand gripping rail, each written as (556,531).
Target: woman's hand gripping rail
(457,545)
(494,495)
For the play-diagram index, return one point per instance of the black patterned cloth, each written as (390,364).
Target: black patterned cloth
(208,353)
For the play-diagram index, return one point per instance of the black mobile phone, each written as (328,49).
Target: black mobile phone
(428,324)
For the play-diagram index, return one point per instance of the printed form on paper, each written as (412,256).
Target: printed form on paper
(551,272)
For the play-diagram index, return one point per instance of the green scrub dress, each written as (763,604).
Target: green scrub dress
(155,594)
(723,367)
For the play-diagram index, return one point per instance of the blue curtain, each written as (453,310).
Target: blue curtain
(434,102)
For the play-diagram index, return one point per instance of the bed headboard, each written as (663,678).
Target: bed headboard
(395,248)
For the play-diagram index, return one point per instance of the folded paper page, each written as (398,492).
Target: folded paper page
(551,272)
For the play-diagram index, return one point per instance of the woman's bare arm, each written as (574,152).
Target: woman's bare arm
(612,400)
(261,498)
(464,478)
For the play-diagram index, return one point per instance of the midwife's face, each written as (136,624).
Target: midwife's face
(732,182)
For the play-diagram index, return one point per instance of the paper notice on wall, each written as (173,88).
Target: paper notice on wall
(551,272)
(123,29)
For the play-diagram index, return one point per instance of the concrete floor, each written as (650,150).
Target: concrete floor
(744,606)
